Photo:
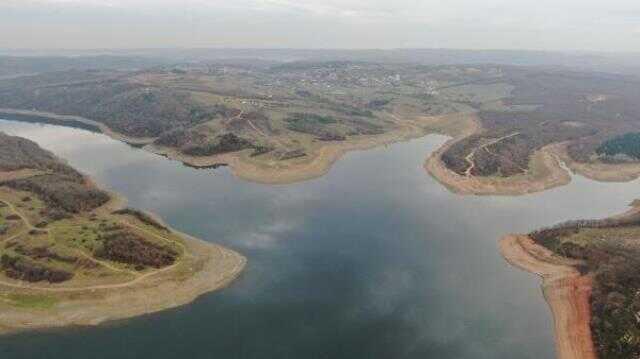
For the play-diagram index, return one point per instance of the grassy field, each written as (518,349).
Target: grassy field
(29,301)
(64,232)
(71,244)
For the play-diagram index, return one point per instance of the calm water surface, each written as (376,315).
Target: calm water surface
(373,260)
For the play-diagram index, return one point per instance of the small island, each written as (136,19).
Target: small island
(591,281)
(73,254)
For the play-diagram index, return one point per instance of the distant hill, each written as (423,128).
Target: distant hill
(11,66)
(628,63)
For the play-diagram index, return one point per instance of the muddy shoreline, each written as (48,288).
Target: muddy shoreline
(546,170)
(314,165)
(566,291)
(599,171)
(549,168)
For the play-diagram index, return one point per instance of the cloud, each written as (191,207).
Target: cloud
(321,23)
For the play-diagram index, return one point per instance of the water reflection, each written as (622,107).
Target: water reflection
(373,260)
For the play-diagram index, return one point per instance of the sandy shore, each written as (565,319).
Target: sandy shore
(205,267)
(549,168)
(603,172)
(546,172)
(214,266)
(316,164)
(566,291)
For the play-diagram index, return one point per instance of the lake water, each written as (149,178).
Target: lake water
(373,260)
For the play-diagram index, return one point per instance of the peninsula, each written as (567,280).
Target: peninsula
(590,280)
(73,254)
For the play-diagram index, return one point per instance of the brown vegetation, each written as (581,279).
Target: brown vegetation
(19,153)
(43,252)
(62,193)
(22,269)
(197,113)
(62,187)
(553,98)
(608,250)
(129,248)
(124,106)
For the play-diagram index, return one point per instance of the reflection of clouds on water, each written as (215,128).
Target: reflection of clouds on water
(65,141)
(283,215)
(375,254)
(267,236)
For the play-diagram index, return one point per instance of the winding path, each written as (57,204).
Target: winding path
(470,156)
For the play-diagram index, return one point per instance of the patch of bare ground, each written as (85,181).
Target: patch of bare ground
(566,291)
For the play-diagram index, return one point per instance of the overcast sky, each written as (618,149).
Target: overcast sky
(611,25)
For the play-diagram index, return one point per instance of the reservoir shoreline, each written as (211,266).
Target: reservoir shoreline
(210,267)
(566,291)
(377,169)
